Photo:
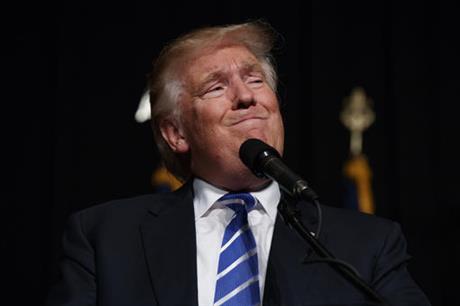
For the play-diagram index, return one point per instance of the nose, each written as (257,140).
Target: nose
(243,97)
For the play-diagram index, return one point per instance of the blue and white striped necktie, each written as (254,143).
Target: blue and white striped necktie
(238,270)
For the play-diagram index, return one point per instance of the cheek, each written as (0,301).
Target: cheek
(210,111)
(202,121)
(269,99)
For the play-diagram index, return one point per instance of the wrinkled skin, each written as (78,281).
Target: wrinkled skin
(226,101)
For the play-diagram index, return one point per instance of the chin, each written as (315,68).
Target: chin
(258,135)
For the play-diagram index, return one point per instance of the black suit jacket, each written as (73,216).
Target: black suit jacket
(142,252)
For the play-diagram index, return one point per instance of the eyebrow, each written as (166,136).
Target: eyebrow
(251,67)
(213,76)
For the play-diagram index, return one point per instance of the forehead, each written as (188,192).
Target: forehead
(220,60)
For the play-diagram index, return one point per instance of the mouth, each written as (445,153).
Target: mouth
(247,119)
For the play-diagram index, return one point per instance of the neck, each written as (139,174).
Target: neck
(238,184)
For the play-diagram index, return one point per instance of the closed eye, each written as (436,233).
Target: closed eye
(213,92)
(255,81)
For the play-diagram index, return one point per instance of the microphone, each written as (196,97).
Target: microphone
(265,162)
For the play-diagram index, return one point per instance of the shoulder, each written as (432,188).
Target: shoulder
(350,220)
(347,229)
(126,206)
(155,202)
(126,213)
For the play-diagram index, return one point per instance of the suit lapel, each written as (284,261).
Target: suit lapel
(287,252)
(168,234)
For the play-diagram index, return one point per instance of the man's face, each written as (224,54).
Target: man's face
(226,101)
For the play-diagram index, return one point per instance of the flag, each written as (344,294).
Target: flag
(358,184)
(164,181)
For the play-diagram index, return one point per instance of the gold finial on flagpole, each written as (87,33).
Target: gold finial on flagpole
(357,115)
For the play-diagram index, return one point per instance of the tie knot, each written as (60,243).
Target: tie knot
(238,201)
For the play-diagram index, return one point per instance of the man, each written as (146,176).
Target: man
(211,90)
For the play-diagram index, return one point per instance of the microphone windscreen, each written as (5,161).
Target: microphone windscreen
(252,151)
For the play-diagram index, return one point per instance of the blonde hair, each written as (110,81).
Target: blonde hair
(165,84)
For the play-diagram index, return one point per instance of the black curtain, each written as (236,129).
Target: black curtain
(77,72)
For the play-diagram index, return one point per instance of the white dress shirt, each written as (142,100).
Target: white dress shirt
(211,220)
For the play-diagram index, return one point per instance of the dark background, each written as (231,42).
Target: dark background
(77,71)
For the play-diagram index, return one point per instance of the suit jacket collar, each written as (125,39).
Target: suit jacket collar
(168,234)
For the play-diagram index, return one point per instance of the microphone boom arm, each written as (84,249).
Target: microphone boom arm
(289,214)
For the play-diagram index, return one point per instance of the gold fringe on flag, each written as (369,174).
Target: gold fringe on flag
(357,170)
(161,177)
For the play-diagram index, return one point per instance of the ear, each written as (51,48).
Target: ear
(174,136)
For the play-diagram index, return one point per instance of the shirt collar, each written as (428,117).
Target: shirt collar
(205,195)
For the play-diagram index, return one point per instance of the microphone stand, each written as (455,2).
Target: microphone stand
(265,161)
(290,216)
